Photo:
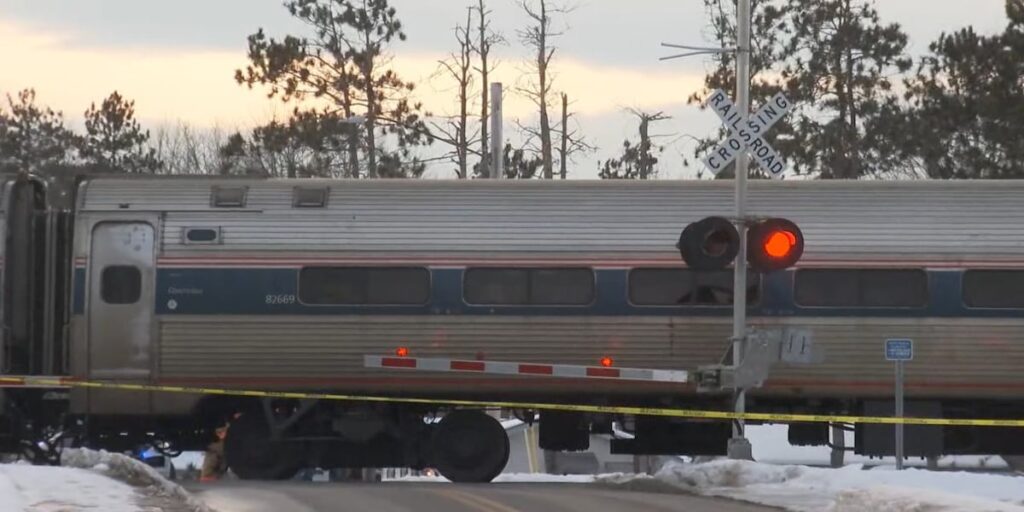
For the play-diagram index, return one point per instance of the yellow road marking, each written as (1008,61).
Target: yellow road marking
(475,501)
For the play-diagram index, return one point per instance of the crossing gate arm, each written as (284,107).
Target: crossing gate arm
(524,369)
(34,382)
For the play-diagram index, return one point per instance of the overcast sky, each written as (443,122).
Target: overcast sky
(176,58)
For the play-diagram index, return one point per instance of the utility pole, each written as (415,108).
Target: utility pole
(739,445)
(497,144)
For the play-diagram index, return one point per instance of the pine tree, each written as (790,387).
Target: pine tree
(835,60)
(308,144)
(840,57)
(344,62)
(32,137)
(967,105)
(114,140)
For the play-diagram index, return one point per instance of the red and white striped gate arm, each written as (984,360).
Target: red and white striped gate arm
(34,381)
(527,369)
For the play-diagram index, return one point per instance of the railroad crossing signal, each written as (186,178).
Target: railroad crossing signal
(747,134)
(774,244)
(713,243)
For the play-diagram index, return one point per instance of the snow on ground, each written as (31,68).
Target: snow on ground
(770,444)
(148,484)
(27,488)
(91,481)
(849,489)
(782,478)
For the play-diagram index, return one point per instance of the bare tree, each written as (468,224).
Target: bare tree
(646,161)
(572,142)
(486,40)
(538,37)
(186,150)
(455,130)
(637,160)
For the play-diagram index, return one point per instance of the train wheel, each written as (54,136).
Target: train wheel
(470,447)
(253,455)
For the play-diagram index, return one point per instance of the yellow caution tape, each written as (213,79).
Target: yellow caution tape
(597,409)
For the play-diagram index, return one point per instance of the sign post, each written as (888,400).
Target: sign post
(899,351)
(746,140)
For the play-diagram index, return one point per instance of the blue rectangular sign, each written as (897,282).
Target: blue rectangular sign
(899,349)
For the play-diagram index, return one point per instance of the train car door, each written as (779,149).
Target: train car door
(120,303)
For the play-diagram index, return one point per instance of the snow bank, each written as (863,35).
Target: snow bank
(896,499)
(543,478)
(850,489)
(132,472)
(771,444)
(28,488)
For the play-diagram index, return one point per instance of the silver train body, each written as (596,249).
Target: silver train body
(277,284)
(226,309)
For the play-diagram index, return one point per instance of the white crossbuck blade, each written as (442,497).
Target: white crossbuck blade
(746,133)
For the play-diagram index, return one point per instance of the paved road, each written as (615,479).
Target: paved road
(237,496)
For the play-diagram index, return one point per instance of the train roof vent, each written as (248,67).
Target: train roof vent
(228,197)
(309,197)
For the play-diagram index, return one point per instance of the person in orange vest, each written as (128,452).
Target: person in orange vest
(214,463)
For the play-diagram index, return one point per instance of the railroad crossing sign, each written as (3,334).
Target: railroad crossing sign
(747,133)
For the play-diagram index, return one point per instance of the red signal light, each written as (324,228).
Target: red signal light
(775,244)
(402,351)
(778,244)
(607,362)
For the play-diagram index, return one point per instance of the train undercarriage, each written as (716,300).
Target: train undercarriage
(273,439)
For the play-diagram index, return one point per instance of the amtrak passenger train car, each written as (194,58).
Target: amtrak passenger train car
(287,284)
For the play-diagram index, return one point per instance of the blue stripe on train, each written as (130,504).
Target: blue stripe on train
(273,291)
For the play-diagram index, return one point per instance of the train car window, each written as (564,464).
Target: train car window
(683,287)
(894,288)
(866,288)
(364,285)
(826,288)
(562,286)
(496,286)
(228,197)
(1000,289)
(121,284)
(529,286)
(202,235)
(309,197)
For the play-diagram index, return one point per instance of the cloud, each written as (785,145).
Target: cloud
(197,86)
(194,86)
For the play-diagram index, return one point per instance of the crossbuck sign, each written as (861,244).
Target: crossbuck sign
(747,134)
